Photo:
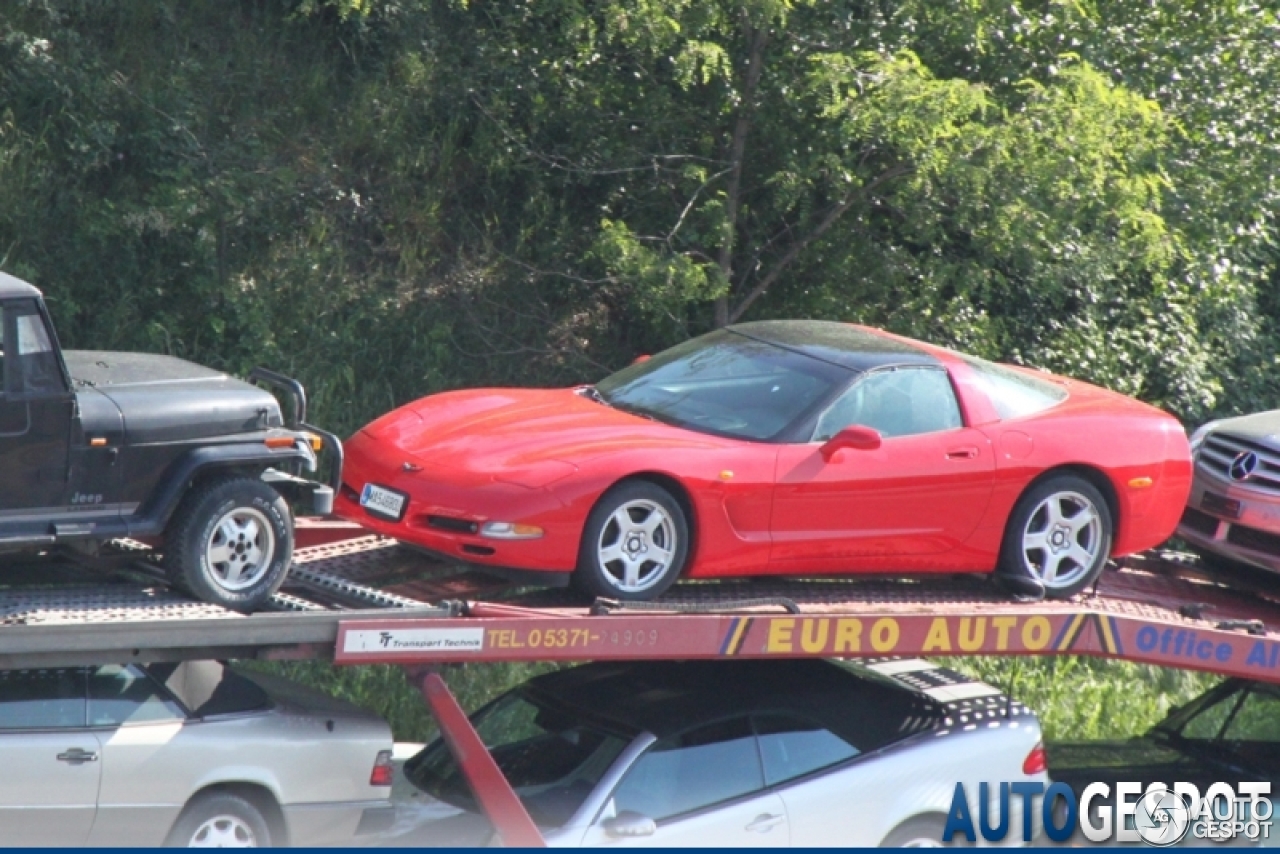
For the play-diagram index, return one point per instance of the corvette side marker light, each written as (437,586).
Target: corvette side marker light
(1140,482)
(726,475)
(98,442)
(510,531)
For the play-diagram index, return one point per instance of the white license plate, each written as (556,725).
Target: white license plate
(383,501)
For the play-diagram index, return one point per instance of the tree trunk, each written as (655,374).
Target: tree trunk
(756,39)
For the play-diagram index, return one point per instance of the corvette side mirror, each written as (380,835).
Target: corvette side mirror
(854,436)
(643,357)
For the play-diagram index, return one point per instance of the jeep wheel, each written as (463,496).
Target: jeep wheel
(230,543)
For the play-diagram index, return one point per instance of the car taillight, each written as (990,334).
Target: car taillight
(1035,763)
(383,770)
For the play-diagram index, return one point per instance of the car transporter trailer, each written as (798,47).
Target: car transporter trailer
(358,599)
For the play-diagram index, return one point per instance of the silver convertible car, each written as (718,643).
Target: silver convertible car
(734,753)
(193,754)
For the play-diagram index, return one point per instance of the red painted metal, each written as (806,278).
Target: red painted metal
(1032,631)
(1157,613)
(491,789)
(310,531)
(931,503)
(500,609)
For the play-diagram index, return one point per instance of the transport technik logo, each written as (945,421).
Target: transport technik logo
(1158,816)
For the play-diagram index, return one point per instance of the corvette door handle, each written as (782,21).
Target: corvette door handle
(765,823)
(962,453)
(76,755)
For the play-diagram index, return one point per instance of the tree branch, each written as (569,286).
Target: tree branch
(737,150)
(688,207)
(796,248)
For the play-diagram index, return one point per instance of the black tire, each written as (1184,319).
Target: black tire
(596,576)
(199,530)
(1083,550)
(219,814)
(923,831)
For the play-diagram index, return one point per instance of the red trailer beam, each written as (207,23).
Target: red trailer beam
(1189,644)
(491,789)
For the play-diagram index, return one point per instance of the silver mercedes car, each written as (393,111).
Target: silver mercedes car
(1234,508)
(736,753)
(192,754)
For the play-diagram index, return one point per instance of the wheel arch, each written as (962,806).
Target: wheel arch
(262,798)
(919,819)
(1096,477)
(678,491)
(192,470)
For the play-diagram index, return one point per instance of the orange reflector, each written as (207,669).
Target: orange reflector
(1141,482)
(317,444)
(98,442)
(726,475)
(278,441)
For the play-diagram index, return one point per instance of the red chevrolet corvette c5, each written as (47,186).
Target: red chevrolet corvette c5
(778,448)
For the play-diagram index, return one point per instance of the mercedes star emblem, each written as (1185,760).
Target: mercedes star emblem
(1243,465)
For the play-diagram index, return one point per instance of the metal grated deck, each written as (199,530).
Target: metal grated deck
(1163,608)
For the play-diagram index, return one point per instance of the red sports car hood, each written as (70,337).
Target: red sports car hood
(506,429)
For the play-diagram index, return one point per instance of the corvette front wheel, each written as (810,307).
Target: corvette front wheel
(634,545)
(1059,536)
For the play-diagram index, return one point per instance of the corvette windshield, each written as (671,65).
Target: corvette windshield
(726,384)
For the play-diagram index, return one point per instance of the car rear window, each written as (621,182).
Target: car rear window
(792,747)
(1013,393)
(208,688)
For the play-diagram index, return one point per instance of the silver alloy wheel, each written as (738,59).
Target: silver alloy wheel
(241,548)
(1061,540)
(637,545)
(223,831)
(922,842)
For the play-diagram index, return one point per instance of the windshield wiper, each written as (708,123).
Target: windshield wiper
(594,393)
(638,412)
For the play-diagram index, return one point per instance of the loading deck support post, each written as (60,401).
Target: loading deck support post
(491,789)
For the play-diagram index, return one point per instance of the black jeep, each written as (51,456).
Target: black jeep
(96,446)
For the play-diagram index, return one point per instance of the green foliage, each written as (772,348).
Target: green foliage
(386,689)
(1082,699)
(1076,699)
(393,197)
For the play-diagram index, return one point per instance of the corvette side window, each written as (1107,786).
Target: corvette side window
(1013,393)
(897,402)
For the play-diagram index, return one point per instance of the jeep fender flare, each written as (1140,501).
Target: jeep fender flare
(155,512)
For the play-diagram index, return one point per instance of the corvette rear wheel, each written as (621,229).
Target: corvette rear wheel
(1059,535)
(634,545)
